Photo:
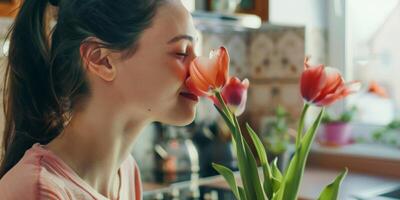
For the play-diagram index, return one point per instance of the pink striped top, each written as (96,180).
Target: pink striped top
(40,174)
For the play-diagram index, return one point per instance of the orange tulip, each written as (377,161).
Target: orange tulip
(235,95)
(207,75)
(323,86)
(378,90)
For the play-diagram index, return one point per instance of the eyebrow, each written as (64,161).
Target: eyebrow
(181,37)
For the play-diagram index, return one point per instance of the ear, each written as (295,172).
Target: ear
(96,59)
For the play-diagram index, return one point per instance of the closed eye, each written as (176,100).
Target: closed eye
(181,56)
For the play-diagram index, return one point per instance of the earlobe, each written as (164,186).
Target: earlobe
(109,72)
(96,61)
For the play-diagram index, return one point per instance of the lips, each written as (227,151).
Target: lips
(189,96)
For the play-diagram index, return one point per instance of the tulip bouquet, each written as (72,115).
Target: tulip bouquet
(319,85)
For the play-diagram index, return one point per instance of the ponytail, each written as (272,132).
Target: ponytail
(29,105)
(45,79)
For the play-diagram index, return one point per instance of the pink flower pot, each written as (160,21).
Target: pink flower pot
(335,134)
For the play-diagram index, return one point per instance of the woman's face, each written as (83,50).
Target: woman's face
(151,82)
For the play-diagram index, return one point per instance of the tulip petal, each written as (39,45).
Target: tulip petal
(333,81)
(223,67)
(242,106)
(207,68)
(246,83)
(329,99)
(233,90)
(190,84)
(341,92)
(312,81)
(378,90)
(235,94)
(199,79)
(321,85)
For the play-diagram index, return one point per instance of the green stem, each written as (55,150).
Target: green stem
(223,105)
(250,192)
(301,124)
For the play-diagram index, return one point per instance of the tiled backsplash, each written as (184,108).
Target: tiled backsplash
(271,57)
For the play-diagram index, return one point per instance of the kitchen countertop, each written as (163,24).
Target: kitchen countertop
(314,180)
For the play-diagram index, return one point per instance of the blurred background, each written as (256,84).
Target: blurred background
(267,41)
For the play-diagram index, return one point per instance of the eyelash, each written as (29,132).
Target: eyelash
(182,56)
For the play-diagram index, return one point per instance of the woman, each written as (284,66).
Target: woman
(77,96)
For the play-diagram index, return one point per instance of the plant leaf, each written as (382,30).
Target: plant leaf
(331,191)
(275,170)
(248,188)
(277,195)
(242,193)
(296,167)
(262,155)
(229,177)
(276,176)
(246,162)
(258,144)
(276,185)
(249,166)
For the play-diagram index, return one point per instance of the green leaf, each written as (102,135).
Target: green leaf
(246,162)
(275,170)
(242,193)
(296,167)
(249,167)
(262,155)
(278,196)
(237,141)
(243,164)
(258,144)
(276,185)
(229,177)
(332,190)
(276,176)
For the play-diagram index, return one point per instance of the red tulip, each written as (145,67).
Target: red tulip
(323,86)
(235,95)
(209,74)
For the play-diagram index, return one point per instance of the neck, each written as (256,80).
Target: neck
(95,143)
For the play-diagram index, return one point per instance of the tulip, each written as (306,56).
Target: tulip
(375,88)
(208,75)
(322,86)
(234,94)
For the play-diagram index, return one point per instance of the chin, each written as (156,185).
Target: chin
(181,117)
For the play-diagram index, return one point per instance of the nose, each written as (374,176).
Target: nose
(191,58)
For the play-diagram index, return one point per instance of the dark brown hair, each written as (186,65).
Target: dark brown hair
(44,78)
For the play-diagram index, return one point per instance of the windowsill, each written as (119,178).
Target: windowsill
(361,150)
(373,159)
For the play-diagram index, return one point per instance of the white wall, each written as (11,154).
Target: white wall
(366,16)
(298,12)
(309,13)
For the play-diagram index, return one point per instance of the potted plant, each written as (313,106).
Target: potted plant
(275,136)
(388,135)
(319,86)
(336,131)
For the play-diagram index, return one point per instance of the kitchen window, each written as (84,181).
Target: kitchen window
(364,43)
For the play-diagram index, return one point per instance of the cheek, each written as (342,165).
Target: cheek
(178,69)
(150,81)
